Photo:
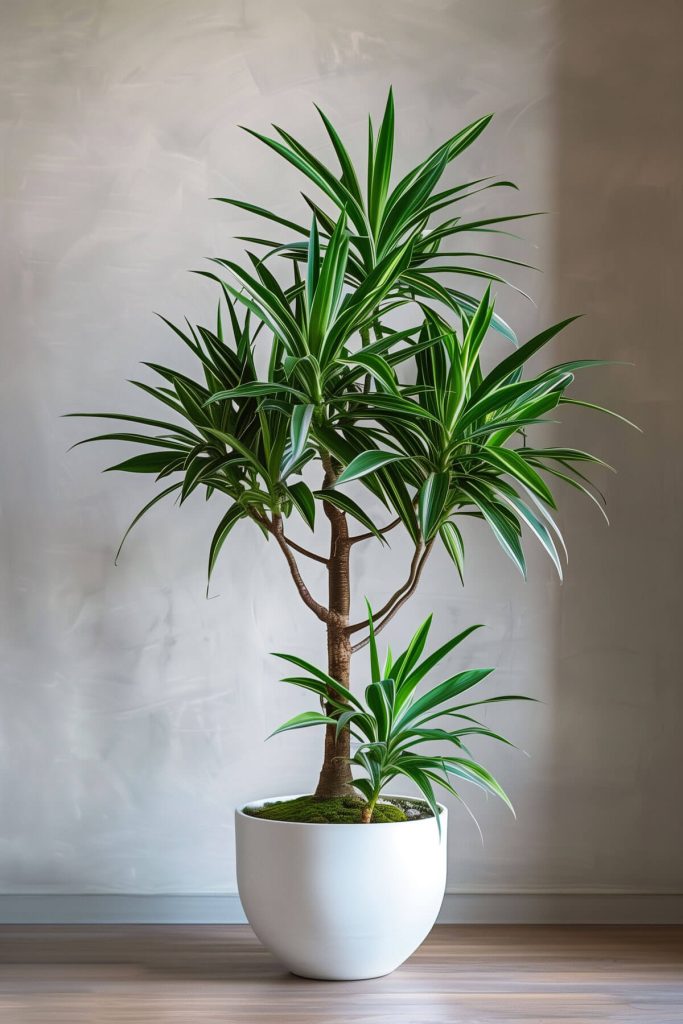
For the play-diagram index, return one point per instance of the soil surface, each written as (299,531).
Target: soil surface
(340,811)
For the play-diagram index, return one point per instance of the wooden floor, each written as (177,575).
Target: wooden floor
(462,975)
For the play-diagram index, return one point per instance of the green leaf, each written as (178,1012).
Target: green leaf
(329,287)
(165,441)
(299,426)
(476,332)
(141,513)
(348,505)
(381,172)
(143,420)
(312,264)
(371,155)
(383,403)
(453,542)
(191,344)
(535,525)
(499,522)
(412,772)
(395,487)
(149,462)
(302,498)
(349,179)
(232,516)
(600,408)
(512,462)
(375,674)
(432,502)
(367,462)
(418,673)
(346,450)
(316,172)
(579,487)
(365,788)
(519,358)
(380,709)
(264,306)
(260,211)
(470,771)
(304,721)
(378,368)
(400,214)
(197,466)
(442,693)
(344,721)
(406,661)
(256,389)
(232,441)
(469,306)
(328,680)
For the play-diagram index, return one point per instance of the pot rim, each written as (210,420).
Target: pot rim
(239,813)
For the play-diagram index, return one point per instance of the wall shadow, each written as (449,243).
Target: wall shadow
(618,702)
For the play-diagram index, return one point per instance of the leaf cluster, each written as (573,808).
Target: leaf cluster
(408,413)
(399,733)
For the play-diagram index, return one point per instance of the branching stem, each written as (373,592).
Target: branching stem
(275,527)
(366,536)
(399,598)
(417,554)
(304,551)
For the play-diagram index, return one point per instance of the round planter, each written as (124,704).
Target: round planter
(340,902)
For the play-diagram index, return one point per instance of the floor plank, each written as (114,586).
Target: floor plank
(469,975)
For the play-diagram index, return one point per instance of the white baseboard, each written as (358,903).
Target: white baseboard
(514,907)
(99,908)
(565,907)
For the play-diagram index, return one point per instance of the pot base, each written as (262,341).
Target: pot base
(341,902)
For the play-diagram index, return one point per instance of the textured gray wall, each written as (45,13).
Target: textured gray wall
(133,710)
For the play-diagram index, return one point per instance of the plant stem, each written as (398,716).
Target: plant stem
(275,527)
(367,812)
(335,774)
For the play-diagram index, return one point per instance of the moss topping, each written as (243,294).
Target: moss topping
(338,811)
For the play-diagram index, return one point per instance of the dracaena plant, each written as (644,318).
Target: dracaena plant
(392,723)
(303,386)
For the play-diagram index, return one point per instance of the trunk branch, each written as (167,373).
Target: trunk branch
(304,551)
(414,567)
(318,609)
(335,774)
(366,536)
(401,600)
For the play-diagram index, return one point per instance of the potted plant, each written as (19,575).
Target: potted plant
(309,386)
(291,852)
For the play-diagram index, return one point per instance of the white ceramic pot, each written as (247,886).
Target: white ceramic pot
(340,902)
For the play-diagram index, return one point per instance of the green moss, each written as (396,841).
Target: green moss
(339,811)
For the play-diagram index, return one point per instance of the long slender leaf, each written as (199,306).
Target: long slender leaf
(232,516)
(141,513)
(432,502)
(366,462)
